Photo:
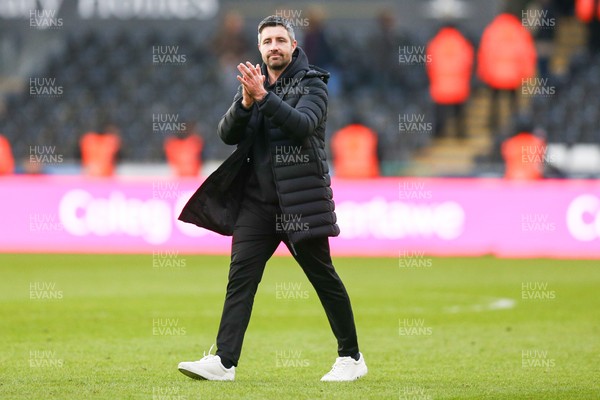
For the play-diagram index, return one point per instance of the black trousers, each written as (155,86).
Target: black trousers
(513,103)
(444,112)
(255,239)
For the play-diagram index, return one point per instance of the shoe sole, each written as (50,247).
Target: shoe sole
(349,380)
(346,380)
(197,376)
(192,375)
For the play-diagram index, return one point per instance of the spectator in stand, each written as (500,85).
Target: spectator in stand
(540,19)
(319,50)
(99,151)
(384,47)
(184,152)
(449,69)
(230,44)
(524,154)
(30,167)
(506,58)
(355,152)
(588,12)
(7,161)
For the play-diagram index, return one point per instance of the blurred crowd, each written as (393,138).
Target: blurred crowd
(118,103)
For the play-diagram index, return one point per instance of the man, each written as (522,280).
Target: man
(355,149)
(449,69)
(524,152)
(278,173)
(505,59)
(184,152)
(100,151)
(7,161)
(588,12)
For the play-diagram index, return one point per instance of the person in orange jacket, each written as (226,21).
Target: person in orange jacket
(506,58)
(7,161)
(354,149)
(524,154)
(184,153)
(449,69)
(588,12)
(99,151)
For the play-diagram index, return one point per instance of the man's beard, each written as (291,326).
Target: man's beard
(278,65)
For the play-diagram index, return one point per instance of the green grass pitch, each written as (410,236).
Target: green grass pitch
(116,326)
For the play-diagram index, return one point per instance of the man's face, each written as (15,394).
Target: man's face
(275,47)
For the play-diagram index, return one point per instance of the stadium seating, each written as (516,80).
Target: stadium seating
(110,77)
(572,114)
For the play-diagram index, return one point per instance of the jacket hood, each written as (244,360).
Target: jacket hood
(318,72)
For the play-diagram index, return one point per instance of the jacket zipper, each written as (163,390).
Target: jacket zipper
(277,185)
(273,170)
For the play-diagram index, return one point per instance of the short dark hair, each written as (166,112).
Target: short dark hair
(276,20)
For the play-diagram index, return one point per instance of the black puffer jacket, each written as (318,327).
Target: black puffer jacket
(295,116)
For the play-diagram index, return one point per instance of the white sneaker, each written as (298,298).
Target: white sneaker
(208,367)
(346,369)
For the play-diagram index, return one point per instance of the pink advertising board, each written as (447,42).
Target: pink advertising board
(383,217)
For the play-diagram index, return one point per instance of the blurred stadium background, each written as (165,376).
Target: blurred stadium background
(504,170)
(102,58)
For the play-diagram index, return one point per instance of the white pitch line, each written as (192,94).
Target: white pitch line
(494,304)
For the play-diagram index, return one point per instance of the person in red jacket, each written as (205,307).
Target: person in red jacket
(449,69)
(99,151)
(506,58)
(7,161)
(184,152)
(354,150)
(524,154)
(588,12)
